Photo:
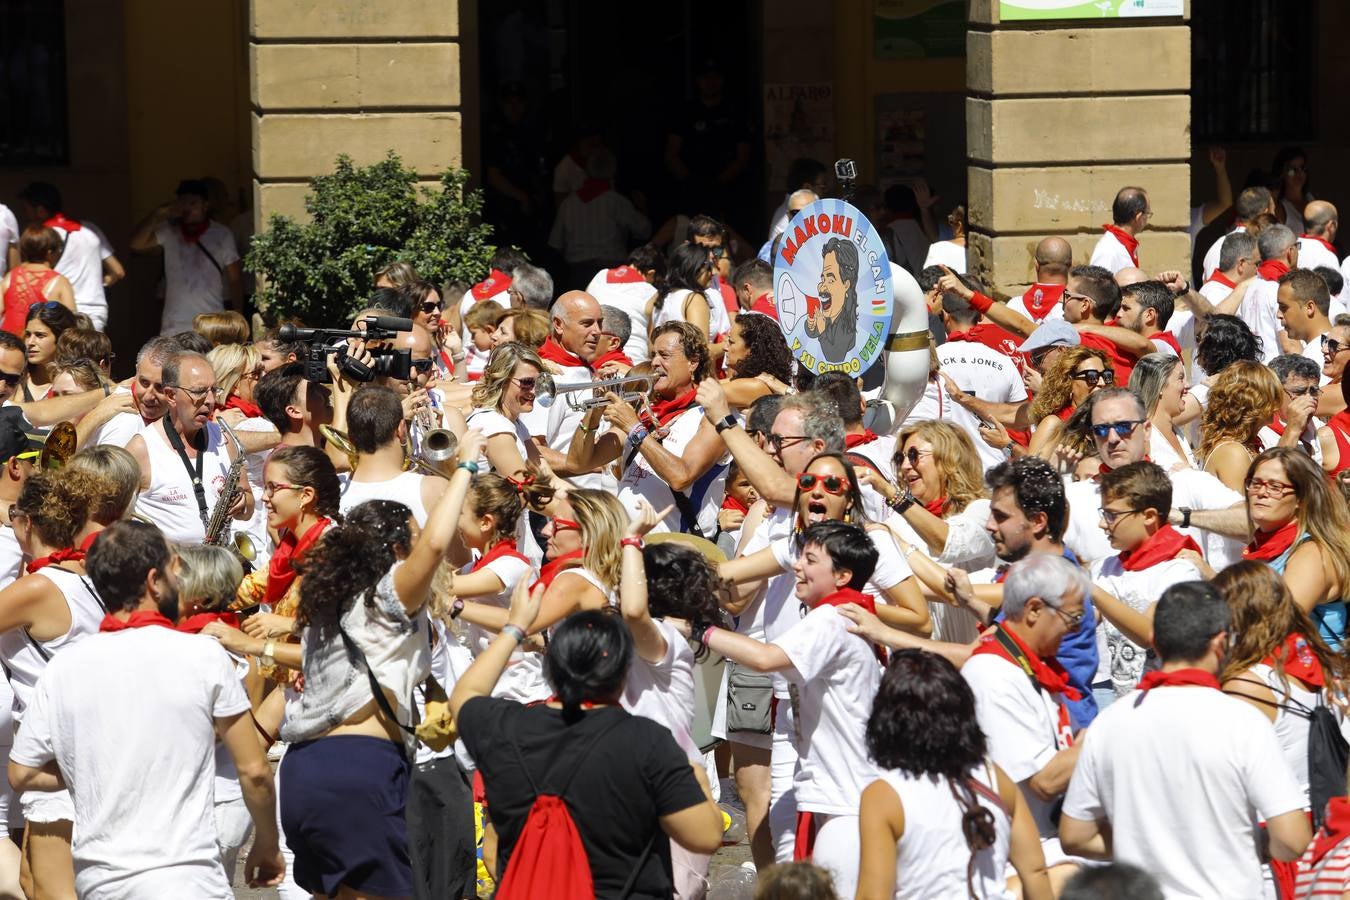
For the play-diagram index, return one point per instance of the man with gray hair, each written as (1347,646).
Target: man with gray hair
(106,426)
(1295,424)
(531,288)
(1259,308)
(615,330)
(1020,689)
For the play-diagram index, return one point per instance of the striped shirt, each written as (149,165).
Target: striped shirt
(1329,878)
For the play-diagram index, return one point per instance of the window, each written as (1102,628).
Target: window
(1253,70)
(33,128)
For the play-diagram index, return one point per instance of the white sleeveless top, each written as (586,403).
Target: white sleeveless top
(672,310)
(25,657)
(611,596)
(170,502)
(406,488)
(1290,727)
(930,863)
(705,495)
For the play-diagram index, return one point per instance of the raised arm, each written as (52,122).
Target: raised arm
(412,580)
(768,477)
(648,639)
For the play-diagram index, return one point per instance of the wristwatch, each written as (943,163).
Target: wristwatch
(1185,516)
(268,649)
(727,421)
(456,607)
(902,502)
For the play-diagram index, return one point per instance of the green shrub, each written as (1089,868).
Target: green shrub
(364,218)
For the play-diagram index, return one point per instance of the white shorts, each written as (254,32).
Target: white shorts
(47,806)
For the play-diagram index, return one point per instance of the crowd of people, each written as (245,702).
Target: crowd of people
(514,596)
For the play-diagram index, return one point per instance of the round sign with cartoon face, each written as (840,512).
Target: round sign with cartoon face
(832,287)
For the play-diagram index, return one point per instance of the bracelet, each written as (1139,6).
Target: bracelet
(637,435)
(980,302)
(707,634)
(471,467)
(514,631)
(581,426)
(269,647)
(698,633)
(902,502)
(634,542)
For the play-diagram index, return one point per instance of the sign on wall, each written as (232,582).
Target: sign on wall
(1013,10)
(903,29)
(798,122)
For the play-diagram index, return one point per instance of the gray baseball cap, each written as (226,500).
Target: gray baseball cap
(1055,333)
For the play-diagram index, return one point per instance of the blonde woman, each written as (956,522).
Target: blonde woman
(1243,399)
(1073,376)
(238,368)
(504,393)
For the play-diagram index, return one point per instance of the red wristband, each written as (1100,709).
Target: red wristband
(631,542)
(980,303)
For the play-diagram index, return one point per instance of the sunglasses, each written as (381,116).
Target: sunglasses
(560,525)
(525,384)
(43,304)
(11,378)
(1092,376)
(833,484)
(1333,346)
(430,306)
(717,252)
(914,454)
(424,365)
(1122,429)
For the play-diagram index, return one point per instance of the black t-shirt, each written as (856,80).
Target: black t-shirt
(635,774)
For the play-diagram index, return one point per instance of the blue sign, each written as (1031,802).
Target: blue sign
(832,287)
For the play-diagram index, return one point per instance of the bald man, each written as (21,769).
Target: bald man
(1118,247)
(797,201)
(1316,245)
(1040,303)
(1130,275)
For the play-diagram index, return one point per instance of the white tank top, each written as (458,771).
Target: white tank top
(170,503)
(25,657)
(930,863)
(705,494)
(672,310)
(406,488)
(611,596)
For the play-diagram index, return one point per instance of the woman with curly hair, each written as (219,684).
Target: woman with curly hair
(41,613)
(45,323)
(755,348)
(941,820)
(1242,401)
(1299,527)
(1070,379)
(344,779)
(1227,339)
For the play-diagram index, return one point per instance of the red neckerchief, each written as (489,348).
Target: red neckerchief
(250,410)
(1161,545)
(935,506)
(1220,278)
(554,352)
(1299,660)
(1127,240)
(555,567)
(1323,241)
(192,231)
(89,540)
(1277,425)
(857,440)
(991,336)
(765,306)
(1268,545)
(1167,338)
(592,188)
(729,300)
(1272,269)
(866,601)
(666,410)
(617,356)
(730,502)
(1178,678)
(1049,674)
(623,275)
(1335,828)
(290,550)
(504,547)
(1104,468)
(496,282)
(194,624)
(1040,299)
(447,362)
(1065,413)
(60,221)
(139,619)
(56,556)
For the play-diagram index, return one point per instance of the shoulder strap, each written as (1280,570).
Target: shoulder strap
(202,247)
(1292,706)
(380,699)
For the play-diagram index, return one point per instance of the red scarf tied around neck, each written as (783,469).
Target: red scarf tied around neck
(1179,678)
(194,624)
(1039,299)
(623,275)
(1299,661)
(1049,674)
(1272,269)
(139,619)
(290,550)
(617,356)
(56,556)
(554,352)
(555,567)
(592,188)
(732,503)
(1335,829)
(857,440)
(666,410)
(250,410)
(1331,248)
(506,547)
(935,506)
(192,231)
(866,601)
(1162,545)
(1127,240)
(1269,545)
(65,224)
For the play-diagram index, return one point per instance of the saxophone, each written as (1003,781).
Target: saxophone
(218,528)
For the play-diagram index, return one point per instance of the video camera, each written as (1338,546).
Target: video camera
(324,342)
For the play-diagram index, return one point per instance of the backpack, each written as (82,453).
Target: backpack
(548,859)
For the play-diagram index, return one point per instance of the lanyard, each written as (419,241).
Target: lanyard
(194,472)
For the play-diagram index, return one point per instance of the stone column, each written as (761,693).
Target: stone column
(1059,117)
(354,77)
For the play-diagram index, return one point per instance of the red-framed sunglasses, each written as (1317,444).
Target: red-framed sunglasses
(833,484)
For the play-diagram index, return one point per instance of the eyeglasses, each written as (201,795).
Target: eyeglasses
(1111,516)
(43,304)
(1073,620)
(1070,295)
(1092,376)
(525,384)
(833,484)
(560,525)
(198,395)
(1332,346)
(1038,357)
(779,441)
(1310,391)
(1123,429)
(272,487)
(11,378)
(1277,490)
(914,454)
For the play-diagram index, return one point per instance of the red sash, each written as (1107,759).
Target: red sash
(1272,269)
(504,547)
(666,410)
(866,601)
(554,352)
(1178,678)
(1220,278)
(1127,240)
(250,410)
(1162,545)
(192,231)
(764,304)
(194,624)
(617,356)
(857,440)
(290,550)
(1167,338)
(56,556)
(554,567)
(1046,675)
(496,282)
(1299,661)
(1335,828)
(60,221)
(1323,241)
(139,619)
(623,275)
(730,502)
(1040,299)
(992,336)
(1268,545)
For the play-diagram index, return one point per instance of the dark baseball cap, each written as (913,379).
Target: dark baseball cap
(17,435)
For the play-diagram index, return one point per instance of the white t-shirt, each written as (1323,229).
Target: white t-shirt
(1211,264)
(663,691)
(564,422)
(880,452)
(836,674)
(11,557)
(9,235)
(82,263)
(891,568)
(131,842)
(1111,254)
(968,542)
(405,487)
(1121,659)
(1260,312)
(568,175)
(619,288)
(523,678)
(1183,774)
(193,284)
(947,253)
(26,658)
(170,502)
(705,495)
(1313,254)
(988,374)
(492,423)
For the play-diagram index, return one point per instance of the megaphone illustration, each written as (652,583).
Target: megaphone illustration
(793,302)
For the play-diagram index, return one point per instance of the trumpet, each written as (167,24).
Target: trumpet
(546,390)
